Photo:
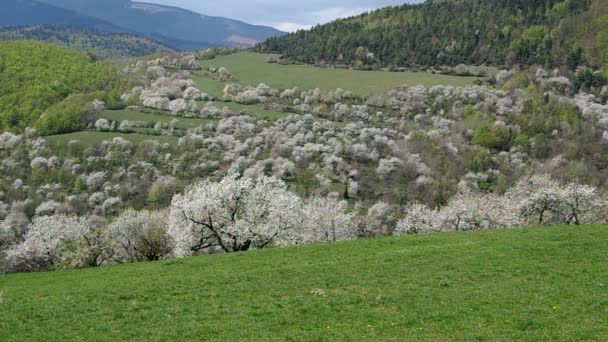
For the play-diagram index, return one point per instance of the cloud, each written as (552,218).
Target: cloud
(286,15)
(289,27)
(328,14)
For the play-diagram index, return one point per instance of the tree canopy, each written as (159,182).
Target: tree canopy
(40,80)
(549,32)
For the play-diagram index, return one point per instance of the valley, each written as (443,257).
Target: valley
(427,171)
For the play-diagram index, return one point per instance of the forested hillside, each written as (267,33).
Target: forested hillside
(440,32)
(102,44)
(47,86)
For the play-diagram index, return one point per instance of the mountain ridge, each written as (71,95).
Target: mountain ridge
(32,12)
(175,27)
(102,44)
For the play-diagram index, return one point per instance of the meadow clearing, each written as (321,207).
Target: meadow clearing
(519,284)
(251,69)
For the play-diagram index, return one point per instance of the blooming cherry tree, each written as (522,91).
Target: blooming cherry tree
(42,246)
(419,219)
(142,235)
(235,214)
(538,196)
(326,219)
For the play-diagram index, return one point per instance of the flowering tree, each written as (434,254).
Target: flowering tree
(379,221)
(538,196)
(41,248)
(471,211)
(419,219)
(142,235)
(550,201)
(580,203)
(96,246)
(326,219)
(232,215)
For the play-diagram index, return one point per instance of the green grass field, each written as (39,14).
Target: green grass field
(92,138)
(216,89)
(251,69)
(153,117)
(540,284)
(211,87)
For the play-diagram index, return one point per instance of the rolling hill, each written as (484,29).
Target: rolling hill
(175,27)
(48,86)
(102,44)
(450,32)
(30,12)
(538,284)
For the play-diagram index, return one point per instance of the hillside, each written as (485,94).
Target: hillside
(175,27)
(103,45)
(252,69)
(30,12)
(525,284)
(47,86)
(552,32)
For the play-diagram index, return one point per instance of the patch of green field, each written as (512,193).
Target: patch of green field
(539,284)
(215,88)
(92,138)
(211,87)
(153,117)
(261,112)
(251,69)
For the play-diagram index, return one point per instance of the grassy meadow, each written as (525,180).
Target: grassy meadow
(251,68)
(152,117)
(537,284)
(92,138)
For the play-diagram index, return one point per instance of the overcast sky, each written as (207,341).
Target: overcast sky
(286,15)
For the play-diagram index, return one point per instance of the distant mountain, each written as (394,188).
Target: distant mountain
(31,12)
(102,44)
(175,27)
(450,32)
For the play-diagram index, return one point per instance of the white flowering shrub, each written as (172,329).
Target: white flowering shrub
(326,219)
(43,242)
(178,106)
(249,97)
(380,220)
(224,74)
(142,235)
(192,93)
(95,180)
(419,219)
(48,208)
(96,246)
(102,125)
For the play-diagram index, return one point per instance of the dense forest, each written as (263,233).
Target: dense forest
(47,86)
(495,32)
(102,44)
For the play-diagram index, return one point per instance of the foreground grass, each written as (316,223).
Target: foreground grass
(252,69)
(526,284)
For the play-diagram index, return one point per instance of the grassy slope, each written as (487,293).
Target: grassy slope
(153,117)
(527,284)
(251,69)
(92,138)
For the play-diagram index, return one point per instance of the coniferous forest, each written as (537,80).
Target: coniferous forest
(547,32)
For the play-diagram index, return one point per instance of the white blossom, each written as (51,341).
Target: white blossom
(232,215)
